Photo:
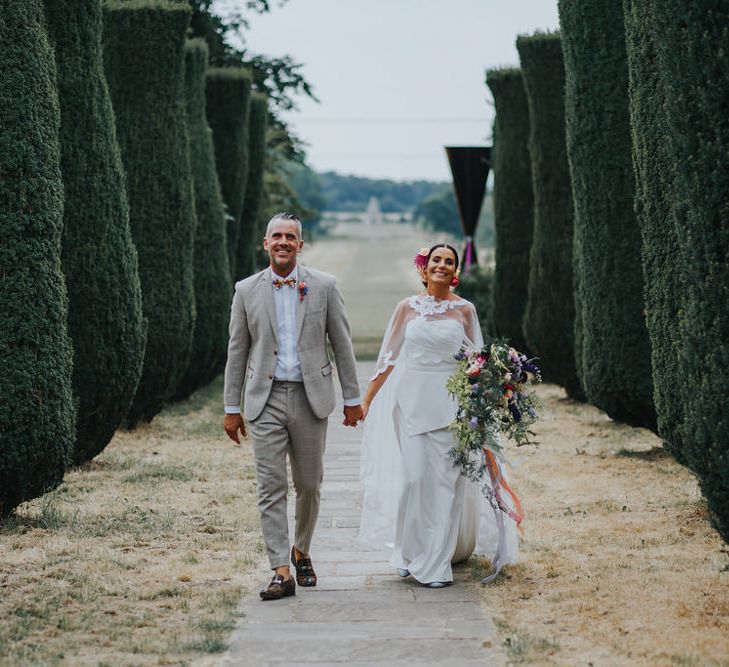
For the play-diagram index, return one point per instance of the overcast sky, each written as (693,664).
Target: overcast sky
(397,79)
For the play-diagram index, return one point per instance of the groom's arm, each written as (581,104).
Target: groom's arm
(239,345)
(339,334)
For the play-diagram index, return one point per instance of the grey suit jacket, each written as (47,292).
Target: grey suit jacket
(253,346)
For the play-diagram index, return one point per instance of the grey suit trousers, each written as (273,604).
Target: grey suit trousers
(287,425)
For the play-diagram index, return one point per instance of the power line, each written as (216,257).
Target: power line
(391,121)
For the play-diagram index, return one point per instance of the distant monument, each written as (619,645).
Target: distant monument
(373,215)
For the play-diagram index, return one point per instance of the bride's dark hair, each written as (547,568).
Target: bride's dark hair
(434,248)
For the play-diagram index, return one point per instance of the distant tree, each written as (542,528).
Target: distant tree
(36,401)
(105,299)
(439,213)
(614,368)
(144,56)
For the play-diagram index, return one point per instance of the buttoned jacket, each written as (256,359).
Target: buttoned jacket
(253,344)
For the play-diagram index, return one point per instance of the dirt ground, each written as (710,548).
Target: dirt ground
(618,564)
(141,556)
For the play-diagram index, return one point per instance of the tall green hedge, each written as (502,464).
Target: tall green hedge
(36,401)
(250,230)
(513,203)
(143,47)
(99,258)
(550,312)
(693,57)
(212,273)
(228,94)
(660,215)
(615,364)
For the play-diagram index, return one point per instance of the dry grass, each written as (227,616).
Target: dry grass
(141,556)
(619,565)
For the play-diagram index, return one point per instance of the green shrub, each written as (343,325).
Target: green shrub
(550,312)
(513,203)
(228,94)
(251,232)
(99,258)
(36,401)
(477,286)
(659,214)
(693,57)
(143,48)
(614,363)
(212,273)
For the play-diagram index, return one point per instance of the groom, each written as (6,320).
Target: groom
(280,321)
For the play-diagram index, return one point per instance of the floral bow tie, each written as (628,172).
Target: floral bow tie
(278,283)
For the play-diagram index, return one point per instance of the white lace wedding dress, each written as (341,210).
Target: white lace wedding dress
(415,500)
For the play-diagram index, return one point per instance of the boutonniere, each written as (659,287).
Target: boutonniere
(303,290)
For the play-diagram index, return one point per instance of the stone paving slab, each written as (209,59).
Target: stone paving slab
(362,614)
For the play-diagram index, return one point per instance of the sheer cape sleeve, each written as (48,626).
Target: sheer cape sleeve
(394,338)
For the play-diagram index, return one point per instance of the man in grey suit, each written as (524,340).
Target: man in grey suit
(278,367)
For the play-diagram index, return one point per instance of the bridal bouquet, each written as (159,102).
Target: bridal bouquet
(491,389)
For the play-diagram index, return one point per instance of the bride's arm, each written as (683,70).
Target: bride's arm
(372,389)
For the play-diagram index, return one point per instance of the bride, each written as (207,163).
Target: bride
(415,500)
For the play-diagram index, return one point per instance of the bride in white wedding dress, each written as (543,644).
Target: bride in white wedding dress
(415,500)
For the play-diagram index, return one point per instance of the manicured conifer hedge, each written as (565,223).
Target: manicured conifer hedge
(36,401)
(250,231)
(212,273)
(143,48)
(99,258)
(659,215)
(615,364)
(228,94)
(513,203)
(693,56)
(550,312)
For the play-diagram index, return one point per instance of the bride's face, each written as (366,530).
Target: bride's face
(441,266)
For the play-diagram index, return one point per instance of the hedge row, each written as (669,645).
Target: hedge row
(550,311)
(144,55)
(250,229)
(679,94)
(228,94)
(513,203)
(99,258)
(613,351)
(36,401)
(211,270)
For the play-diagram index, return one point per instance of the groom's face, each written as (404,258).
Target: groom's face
(283,244)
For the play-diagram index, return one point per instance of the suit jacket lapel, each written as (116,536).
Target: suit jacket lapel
(268,300)
(301,303)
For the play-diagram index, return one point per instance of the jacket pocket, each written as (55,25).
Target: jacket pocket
(327,368)
(250,371)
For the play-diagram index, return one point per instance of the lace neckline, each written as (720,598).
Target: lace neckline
(425,304)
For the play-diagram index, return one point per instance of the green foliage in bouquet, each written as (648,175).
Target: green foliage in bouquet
(660,216)
(36,401)
(251,232)
(99,258)
(550,311)
(228,95)
(211,270)
(144,56)
(490,388)
(612,340)
(513,203)
(693,59)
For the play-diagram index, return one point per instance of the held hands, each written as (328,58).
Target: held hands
(233,423)
(352,415)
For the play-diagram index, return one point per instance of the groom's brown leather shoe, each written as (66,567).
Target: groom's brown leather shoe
(279,588)
(305,575)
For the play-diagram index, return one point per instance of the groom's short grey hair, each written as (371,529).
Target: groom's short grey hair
(288,217)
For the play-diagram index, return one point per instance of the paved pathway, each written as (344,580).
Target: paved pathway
(361,613)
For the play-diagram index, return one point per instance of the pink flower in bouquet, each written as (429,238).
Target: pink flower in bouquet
(473,371)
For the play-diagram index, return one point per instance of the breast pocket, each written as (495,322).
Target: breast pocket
(326,369)
(250,371)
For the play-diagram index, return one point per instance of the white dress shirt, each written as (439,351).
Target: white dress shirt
(288,366)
